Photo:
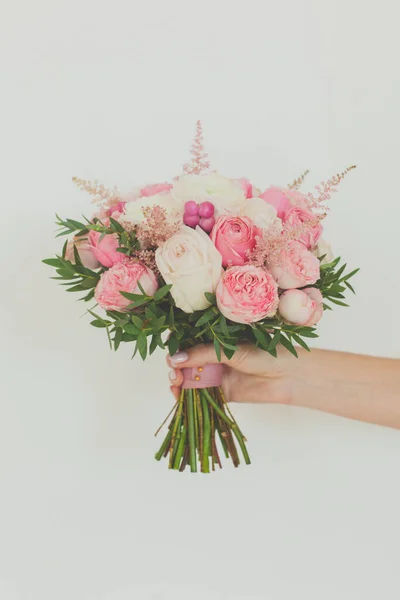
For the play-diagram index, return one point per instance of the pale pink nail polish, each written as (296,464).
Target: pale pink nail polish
(179,358)
(172,375)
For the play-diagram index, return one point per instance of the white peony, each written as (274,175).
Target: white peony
(191,263)
(133,212)
(227,195)
(262,214)
(323,249)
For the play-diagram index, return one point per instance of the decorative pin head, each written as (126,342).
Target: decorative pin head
(199,164)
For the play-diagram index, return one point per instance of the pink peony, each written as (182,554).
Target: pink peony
(298,216)
(315,295)
(301,307)
(156,188)
(124,277)
(295,266)
(105,250)
(85,252)
(246,294)
(234,237)
(283,199)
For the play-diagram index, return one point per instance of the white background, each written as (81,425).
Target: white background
(111,90)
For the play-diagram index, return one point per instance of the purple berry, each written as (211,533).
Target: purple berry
(191,208)
(206,210)
(207,224)
(191,220)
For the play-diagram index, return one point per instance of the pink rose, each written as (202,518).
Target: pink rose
(156,188)
(234,237)
(85,252)
(296,217)
(301,307)
(124,277)
(246,294)
(105,250)
(283,199)
(295,266)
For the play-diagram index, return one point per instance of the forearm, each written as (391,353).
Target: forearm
(349,385)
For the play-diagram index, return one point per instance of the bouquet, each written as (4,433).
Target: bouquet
(206,259)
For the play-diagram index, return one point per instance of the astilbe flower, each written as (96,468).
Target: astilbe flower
(100,193)
(156,228)
(324,191)
(272,241)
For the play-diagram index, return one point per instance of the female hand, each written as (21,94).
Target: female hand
(251,375)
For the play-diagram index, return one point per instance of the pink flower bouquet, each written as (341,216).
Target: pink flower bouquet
(204,259)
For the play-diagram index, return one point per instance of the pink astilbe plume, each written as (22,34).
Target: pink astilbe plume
(199,163)
(272,241)
(297,182)
(156,228)
(100,193)
(324,191)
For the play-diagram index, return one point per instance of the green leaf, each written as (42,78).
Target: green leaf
(338,302)
(262,337)
(300,341)
(288,345)
(137,321)
(228,352)
(163,291)
(351,274)
(52,262)
(132,329)
(117,337)
(223,326)
(98,323)
(211,297)
(77,257)
(347,284)
(275,340)
(207,316)
(173,344)
(142,345)
(153,344)
(217,347)
(116,226)
(171,317)
(157,323)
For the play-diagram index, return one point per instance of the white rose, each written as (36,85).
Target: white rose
(133,213)
(322,249)
(262,214)
(227,195)
(191,263)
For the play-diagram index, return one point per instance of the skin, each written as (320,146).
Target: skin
(358,387)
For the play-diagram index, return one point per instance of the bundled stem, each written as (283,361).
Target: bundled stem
(199,417)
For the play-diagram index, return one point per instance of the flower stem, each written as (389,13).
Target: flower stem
(206,437)
(164,445)
(192,432)
(180,450)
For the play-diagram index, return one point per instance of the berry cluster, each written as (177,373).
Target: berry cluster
(199,214)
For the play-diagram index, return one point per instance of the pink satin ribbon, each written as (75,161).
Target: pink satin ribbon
(202,377)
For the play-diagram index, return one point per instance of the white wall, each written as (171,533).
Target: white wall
(111,90)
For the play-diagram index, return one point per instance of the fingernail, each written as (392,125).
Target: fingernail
(172,375)
(179,358)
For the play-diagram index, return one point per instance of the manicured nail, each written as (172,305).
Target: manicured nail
(172,375)
(179,358)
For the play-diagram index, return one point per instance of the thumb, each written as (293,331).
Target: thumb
(205,354)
